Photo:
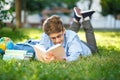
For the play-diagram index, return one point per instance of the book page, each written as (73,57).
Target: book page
(53,47)
(40,47)
(40,52)
(58,51)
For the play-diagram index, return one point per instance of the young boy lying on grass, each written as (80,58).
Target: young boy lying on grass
(55,33)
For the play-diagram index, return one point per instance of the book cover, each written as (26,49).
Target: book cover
(14,54)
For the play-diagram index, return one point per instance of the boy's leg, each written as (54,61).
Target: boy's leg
(75,26)
(90,37)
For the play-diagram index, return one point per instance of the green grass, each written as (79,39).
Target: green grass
(102,66)
(21,34)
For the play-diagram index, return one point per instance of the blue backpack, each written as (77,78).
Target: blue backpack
(26,46)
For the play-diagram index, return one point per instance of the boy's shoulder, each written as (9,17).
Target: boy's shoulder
(44,36)
(71,33)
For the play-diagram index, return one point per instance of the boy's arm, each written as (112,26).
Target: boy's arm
(74,49)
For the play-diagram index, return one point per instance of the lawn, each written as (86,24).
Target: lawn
(103,66)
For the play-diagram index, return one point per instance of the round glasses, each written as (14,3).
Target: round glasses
(58,36)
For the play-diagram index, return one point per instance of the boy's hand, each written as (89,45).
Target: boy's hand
(50,57)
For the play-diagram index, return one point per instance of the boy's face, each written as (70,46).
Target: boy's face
(57,38)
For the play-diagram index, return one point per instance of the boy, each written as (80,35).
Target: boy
(55,33)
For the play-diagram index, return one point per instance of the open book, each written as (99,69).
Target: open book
(57,50)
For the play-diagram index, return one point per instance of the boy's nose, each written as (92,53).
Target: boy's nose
(57,40)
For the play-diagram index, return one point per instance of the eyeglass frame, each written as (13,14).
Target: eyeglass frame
(58,36)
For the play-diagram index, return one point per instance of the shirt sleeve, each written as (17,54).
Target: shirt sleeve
(74,49)
(45,41)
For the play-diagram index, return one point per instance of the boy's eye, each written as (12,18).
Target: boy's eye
(53,38)
(58,36)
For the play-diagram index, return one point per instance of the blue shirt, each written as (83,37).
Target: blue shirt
(74,47)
